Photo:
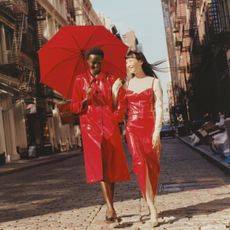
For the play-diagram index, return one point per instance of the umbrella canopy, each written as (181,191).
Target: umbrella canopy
(62,57)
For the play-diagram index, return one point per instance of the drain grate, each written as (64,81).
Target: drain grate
(183,186)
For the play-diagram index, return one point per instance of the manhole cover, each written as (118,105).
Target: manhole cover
(183,186)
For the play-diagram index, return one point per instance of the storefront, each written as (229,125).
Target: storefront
(12,127)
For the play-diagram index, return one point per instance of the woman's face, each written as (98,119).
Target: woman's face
(133,65)
(94,62)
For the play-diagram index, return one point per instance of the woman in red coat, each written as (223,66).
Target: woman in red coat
(104,157)
(144,103)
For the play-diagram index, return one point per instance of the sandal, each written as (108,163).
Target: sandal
(112,218)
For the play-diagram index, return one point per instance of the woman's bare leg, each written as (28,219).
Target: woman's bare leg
(150,201)
(107,194)
(107,190)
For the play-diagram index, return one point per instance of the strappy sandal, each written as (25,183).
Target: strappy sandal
(112,219)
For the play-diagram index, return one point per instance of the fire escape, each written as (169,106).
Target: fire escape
(71,12)
(40,18)
(18,64)
(196,48)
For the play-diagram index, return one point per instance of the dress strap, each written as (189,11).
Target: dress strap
(153,82)
(127,84)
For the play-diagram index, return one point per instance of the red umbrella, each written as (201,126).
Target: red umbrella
(62,58)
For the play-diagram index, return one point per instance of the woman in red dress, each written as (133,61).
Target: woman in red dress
(104,156)
(144,103)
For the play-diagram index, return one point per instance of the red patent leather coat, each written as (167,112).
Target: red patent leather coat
(99,127)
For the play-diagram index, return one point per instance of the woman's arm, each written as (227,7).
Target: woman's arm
(158,110)
(115,89)
(119,100)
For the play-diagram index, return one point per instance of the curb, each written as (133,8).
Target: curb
(37,162)
(208,156)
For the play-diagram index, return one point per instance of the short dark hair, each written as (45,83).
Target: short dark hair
(94,51)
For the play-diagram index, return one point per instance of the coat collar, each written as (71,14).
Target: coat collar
(99,77)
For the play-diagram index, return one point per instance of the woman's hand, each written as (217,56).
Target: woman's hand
(88,98)
(88,92)
(155,141)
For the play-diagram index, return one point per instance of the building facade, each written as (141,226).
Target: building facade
(16,74)
(28,109)
(130,39)
(198,39)
(84,13)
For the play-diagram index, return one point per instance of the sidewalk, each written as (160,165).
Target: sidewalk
(18,165)
(207,153)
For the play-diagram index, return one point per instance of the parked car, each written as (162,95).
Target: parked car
(167,131)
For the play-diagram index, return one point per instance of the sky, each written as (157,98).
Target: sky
(145,18)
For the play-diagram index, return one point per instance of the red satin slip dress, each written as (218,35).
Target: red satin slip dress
(139,131)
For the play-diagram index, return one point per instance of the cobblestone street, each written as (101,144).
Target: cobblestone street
(193,194)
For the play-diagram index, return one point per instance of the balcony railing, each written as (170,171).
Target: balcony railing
(15,5)
(19,58)
(24,60)
(6,11)
(8,57)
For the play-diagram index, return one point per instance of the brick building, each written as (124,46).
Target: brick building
(198,39)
